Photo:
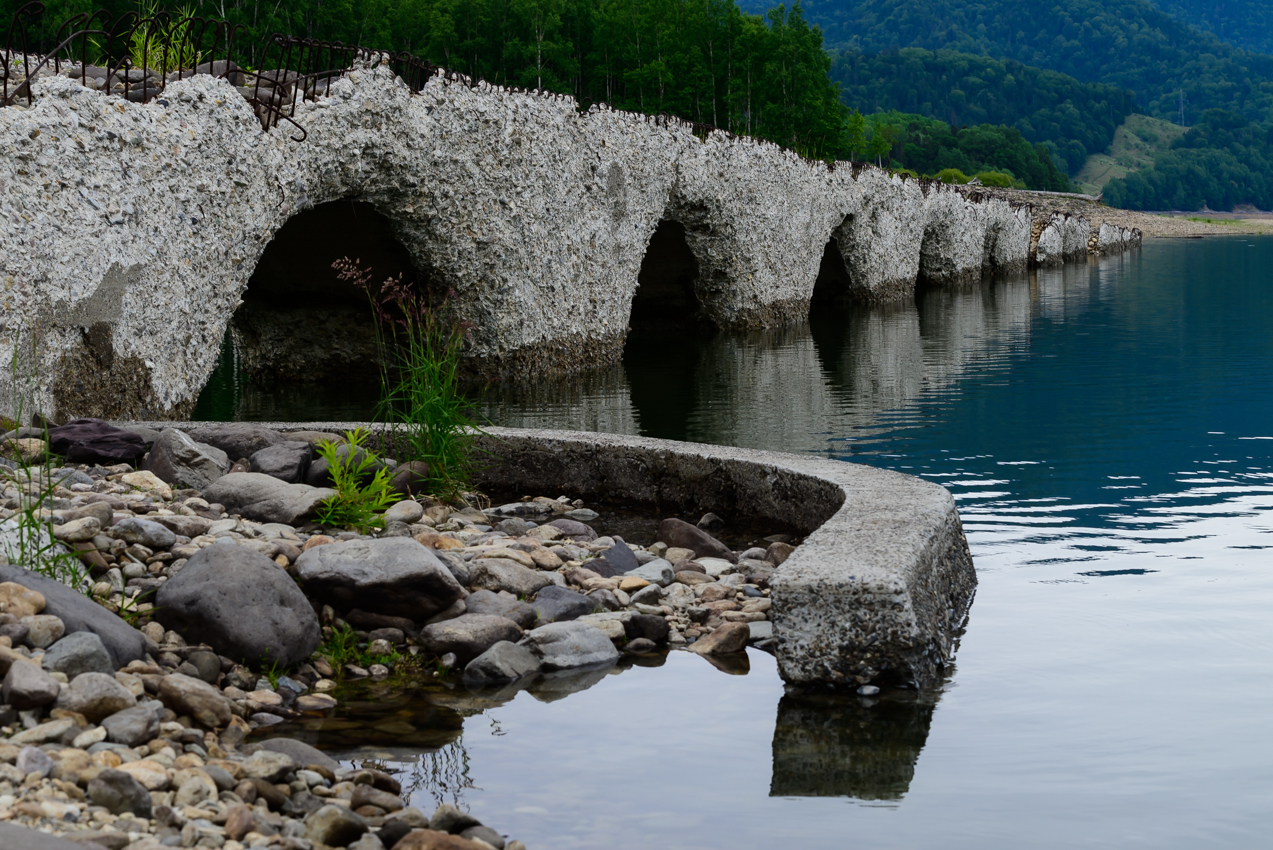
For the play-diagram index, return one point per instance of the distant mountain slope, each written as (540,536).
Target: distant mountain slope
(1243,23)
(1136,144)
(1127,43)
(1074,119)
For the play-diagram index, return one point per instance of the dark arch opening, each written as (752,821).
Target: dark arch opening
(665,284)
(666,313)
(302,344)
(833,285)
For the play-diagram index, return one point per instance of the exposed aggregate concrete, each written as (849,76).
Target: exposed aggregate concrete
(130,230)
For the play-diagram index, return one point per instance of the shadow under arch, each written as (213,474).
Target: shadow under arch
(665,284)
(833,288)
(666,320)
(299,325)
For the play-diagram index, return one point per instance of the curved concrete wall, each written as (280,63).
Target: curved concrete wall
(877,591)
(130,230)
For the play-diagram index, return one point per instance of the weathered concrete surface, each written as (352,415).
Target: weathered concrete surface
(128,232)
(876,592)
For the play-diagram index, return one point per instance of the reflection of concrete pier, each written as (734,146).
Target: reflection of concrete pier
(829,745)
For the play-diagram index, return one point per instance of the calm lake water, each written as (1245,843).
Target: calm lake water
(1107,430)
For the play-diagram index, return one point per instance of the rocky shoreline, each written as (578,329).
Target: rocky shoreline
(136,729)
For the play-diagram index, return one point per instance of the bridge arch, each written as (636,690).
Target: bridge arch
(666,290)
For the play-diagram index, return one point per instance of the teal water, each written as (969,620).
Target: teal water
(1107,430)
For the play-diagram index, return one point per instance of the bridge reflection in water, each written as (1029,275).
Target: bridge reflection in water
(849,373)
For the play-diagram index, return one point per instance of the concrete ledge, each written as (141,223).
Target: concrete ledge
(876,591)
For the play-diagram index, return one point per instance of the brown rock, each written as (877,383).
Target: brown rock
(545,559)
(731,637)
(317,540)
(713,594)
(429,538)
(679,533)
(239,822)
(188,695)
(693,578)
(778,552)
(430,839)
(367,795)
(19,601)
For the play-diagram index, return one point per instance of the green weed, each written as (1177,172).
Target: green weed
(361,496)
(27,537)
(421,401)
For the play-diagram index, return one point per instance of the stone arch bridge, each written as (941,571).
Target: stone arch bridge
(129,231)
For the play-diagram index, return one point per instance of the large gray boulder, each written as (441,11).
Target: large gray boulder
(182,462)
(556,604)
(242,604)
(287,461)
(395,576)
(96,696)
(502,662)
(81,614)
(679,533)
(497,574)
(144,532)
(301,753)
(574,644)
(27,686)
(262,498)
(237,439)
(468,635)
(134,726)
(488,602)
(118,792)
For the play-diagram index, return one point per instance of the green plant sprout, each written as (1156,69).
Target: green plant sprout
(361,496)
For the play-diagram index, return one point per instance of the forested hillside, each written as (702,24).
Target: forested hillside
(927,146)
(1220,162)
(1243,23)
(1073,119)
(1129,44)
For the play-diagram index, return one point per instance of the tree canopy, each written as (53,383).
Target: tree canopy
(1072,119)
(927,146)
(1130,44)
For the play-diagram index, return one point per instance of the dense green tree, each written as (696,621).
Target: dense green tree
(928,146)
(1243,23)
